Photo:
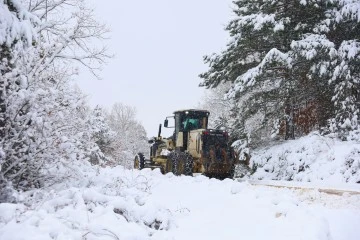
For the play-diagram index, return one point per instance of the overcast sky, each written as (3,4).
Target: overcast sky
(159,47)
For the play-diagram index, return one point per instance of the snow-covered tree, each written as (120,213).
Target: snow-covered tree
(100,135)
(43,116)
(293,61)
(219,107)
(16,37)
(69,33)
(342,29)
(130,136)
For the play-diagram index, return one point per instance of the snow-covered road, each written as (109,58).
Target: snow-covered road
(130,204)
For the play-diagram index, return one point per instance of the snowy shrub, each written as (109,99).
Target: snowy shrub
(351,167)
(43,129)
(308,159)
(354,135)
(111,203)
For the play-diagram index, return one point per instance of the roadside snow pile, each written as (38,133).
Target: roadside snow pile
(309,159)
(108,205)
(115,203)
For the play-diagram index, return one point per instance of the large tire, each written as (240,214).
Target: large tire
(189,163)
(139,161)
(183,164)
(169,167)
(176,164)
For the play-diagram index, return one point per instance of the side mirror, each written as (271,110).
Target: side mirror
(166,123)
(151,141)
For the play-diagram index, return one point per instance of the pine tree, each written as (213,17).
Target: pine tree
(282,60)
(344,31)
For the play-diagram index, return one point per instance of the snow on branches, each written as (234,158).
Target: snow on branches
(307,50)
(16,23)
(43,117)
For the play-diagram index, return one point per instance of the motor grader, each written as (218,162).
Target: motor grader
(193,148)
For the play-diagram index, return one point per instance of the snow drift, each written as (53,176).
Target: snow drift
(115,203)
(311,158)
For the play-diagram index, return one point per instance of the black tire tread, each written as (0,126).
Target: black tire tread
(141,158)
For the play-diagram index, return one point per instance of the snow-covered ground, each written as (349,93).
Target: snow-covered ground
(115,203)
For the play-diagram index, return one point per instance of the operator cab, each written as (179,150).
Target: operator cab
(186,121)
(189,120)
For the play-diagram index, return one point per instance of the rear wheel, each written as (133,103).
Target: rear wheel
(189,163)
(139,161)
(177,164)
(183,164)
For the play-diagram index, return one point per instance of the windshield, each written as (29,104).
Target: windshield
(193,122)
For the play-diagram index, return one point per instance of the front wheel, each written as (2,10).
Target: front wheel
(189,164)
(139,161)
(169,167)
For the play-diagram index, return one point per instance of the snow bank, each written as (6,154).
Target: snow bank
(312,158)
(110,205)
(115,203)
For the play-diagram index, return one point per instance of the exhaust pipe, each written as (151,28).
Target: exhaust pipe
(159,134)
